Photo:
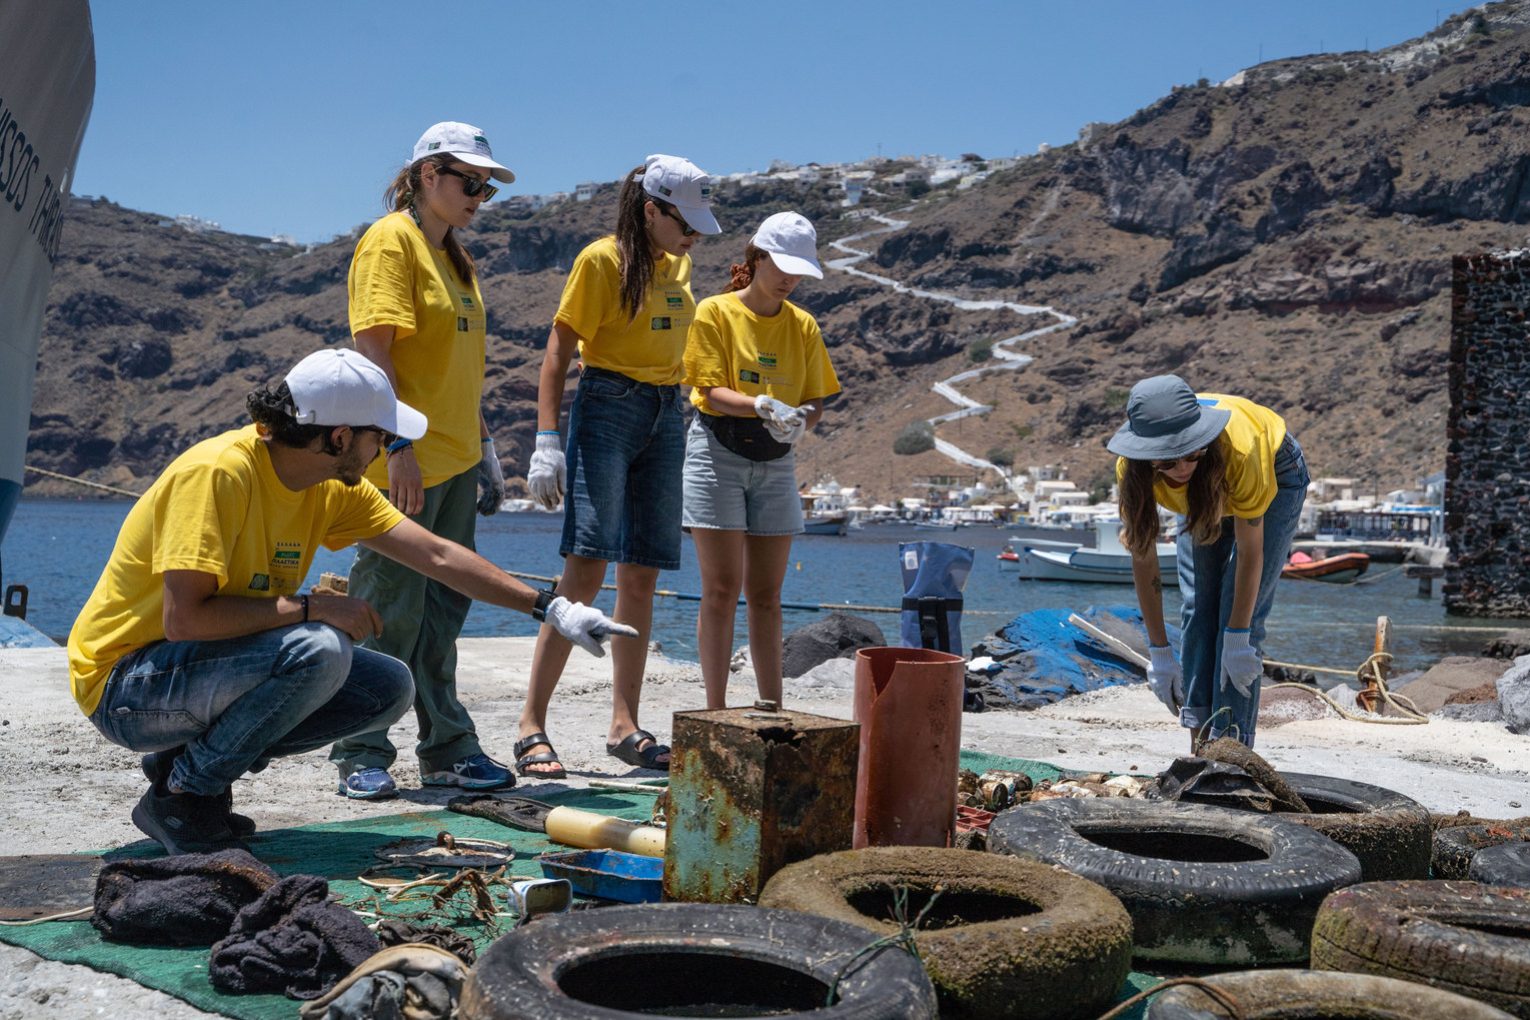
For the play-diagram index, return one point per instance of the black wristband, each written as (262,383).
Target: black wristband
(544,599)
(305,607)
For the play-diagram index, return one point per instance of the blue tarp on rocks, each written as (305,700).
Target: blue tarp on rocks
(1039,657)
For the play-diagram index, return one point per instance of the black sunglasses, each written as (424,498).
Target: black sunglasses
(686,230)
(1189,458)
(384,437)
(471,186)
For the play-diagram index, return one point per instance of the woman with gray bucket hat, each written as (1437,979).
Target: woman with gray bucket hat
(1237,479)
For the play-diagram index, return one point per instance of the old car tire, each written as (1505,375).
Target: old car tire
(1464,937)
(1006,937)
(1390,833)
(1202,884)
(1505,864)
(634,961)
(1318,995)
(1455,847)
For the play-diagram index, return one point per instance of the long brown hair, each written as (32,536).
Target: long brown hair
(1205,497)
(635,257)
(400,195)
(743,272)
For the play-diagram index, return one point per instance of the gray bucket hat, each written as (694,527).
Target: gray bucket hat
(1165,421)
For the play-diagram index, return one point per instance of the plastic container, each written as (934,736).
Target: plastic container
(608,874)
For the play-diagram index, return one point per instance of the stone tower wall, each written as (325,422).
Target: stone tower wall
(1487,462)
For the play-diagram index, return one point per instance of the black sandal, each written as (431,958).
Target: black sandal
(547,757)
(647,758)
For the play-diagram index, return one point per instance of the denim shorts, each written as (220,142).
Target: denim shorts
(626,450)
(732,493)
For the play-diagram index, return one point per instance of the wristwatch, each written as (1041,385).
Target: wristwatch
(544,599)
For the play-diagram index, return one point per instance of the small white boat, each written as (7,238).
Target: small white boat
(935,525)
(1008,558)
(1107,563)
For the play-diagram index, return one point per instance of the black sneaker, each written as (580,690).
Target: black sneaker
(156,768)
(183,823)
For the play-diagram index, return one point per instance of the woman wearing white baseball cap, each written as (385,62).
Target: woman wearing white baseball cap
(416,311)
(759,374)
(1230,467)
(625,311)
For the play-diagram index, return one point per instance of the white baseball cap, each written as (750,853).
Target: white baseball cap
(465,142)
(791,242)
(683,185)
(340,387)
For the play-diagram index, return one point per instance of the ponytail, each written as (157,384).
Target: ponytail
(634,259)
(400,195)
(743,272)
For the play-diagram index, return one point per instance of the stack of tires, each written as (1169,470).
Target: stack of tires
(1214,887)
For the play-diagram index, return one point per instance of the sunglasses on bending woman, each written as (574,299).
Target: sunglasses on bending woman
(686,230)
(1189,458)
(471,186)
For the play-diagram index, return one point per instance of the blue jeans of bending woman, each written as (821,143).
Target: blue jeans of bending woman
(239,702)
(1206,574)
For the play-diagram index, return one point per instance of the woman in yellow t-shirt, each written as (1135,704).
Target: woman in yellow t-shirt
(416,312)
(759,375)
(625,310)
(1237,477)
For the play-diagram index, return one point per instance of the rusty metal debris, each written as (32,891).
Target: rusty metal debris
(998,789)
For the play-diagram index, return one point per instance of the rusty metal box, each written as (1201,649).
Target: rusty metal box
(750,791)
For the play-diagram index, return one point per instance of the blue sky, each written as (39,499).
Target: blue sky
(284,117)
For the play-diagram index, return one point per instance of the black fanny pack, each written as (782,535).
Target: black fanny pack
(746,437)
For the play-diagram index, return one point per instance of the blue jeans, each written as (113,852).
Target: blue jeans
(1206,575)
(626,456)
(240,702)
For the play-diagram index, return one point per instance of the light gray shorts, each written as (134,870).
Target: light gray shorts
(726,492)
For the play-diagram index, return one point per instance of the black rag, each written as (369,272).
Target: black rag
(185,900)
(292,940)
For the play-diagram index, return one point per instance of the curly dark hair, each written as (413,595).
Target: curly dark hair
(274,413)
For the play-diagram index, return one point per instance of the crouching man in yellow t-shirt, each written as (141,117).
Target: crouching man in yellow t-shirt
(196,646)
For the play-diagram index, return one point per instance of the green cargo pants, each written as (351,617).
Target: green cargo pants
(421,621)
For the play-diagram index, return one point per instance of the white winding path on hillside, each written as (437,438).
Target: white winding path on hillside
(1006,359)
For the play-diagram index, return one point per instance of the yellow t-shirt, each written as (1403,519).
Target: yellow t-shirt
(648,348)
(218,508)
(398,279)
(782,354)
(1253,435)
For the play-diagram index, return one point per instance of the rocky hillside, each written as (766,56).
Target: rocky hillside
(1285,235)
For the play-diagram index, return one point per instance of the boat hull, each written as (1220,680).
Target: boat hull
(47,85)
(1341,569)
(831,525)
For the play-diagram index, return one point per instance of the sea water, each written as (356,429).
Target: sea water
(58,547)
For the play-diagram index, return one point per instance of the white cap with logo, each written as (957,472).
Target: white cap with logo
(465,142)
(791,242)
(340,387)
(683,185)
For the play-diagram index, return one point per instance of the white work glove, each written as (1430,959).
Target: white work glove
(785,423)
(584,625)
(548,471)
(1241,665)
(1165,677)
(491,480)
